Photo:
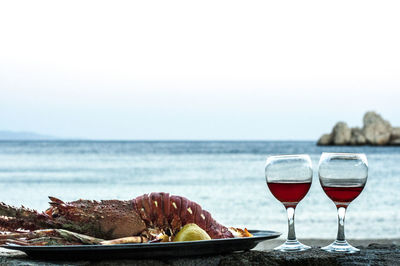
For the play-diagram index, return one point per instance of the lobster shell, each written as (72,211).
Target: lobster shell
(167,211)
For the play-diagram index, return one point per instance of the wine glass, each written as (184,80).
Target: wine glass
(342,177)
(289,178)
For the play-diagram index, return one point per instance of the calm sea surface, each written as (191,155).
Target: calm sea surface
(226,178)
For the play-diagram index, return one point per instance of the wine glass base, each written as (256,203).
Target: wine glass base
(340,247)
(292,246)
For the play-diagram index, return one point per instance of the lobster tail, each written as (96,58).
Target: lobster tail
(172,212)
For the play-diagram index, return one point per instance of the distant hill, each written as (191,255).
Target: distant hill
(23,135)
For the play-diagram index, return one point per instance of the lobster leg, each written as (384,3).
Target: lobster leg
(42,241)
(125,240)
(49,237)
(30,234)
(62,237)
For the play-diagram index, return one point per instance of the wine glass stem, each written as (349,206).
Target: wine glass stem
(341,215)
(291,232)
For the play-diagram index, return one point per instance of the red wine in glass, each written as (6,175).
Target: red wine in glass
(289,193)
(342,177)
(342,196)
(289,179)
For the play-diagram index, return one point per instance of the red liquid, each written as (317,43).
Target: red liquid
(289,193)
(342,196)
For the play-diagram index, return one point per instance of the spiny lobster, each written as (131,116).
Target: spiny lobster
(92,222)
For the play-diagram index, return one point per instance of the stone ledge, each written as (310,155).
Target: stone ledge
(373,254)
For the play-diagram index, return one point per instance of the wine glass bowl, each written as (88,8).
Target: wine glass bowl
(289,178)
(342,177)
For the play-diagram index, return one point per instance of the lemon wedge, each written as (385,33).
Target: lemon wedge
(191,232)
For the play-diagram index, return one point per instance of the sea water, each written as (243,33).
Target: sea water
(226,178)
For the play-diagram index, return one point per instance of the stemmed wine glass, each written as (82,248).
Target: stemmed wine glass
(342,177)
(289,178)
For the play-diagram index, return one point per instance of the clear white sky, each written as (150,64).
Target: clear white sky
(197,69)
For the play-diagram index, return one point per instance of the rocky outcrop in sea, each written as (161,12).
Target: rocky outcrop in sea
(375,131)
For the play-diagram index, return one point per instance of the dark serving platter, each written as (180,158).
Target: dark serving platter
(147,250)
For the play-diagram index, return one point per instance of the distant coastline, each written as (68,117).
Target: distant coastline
(24,135)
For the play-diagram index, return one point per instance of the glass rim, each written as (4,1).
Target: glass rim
(274,158)
(289,155)
(343,153)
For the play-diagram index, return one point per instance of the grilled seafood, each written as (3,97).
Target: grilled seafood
(150,217)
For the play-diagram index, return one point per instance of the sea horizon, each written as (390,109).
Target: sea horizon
(165,140)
